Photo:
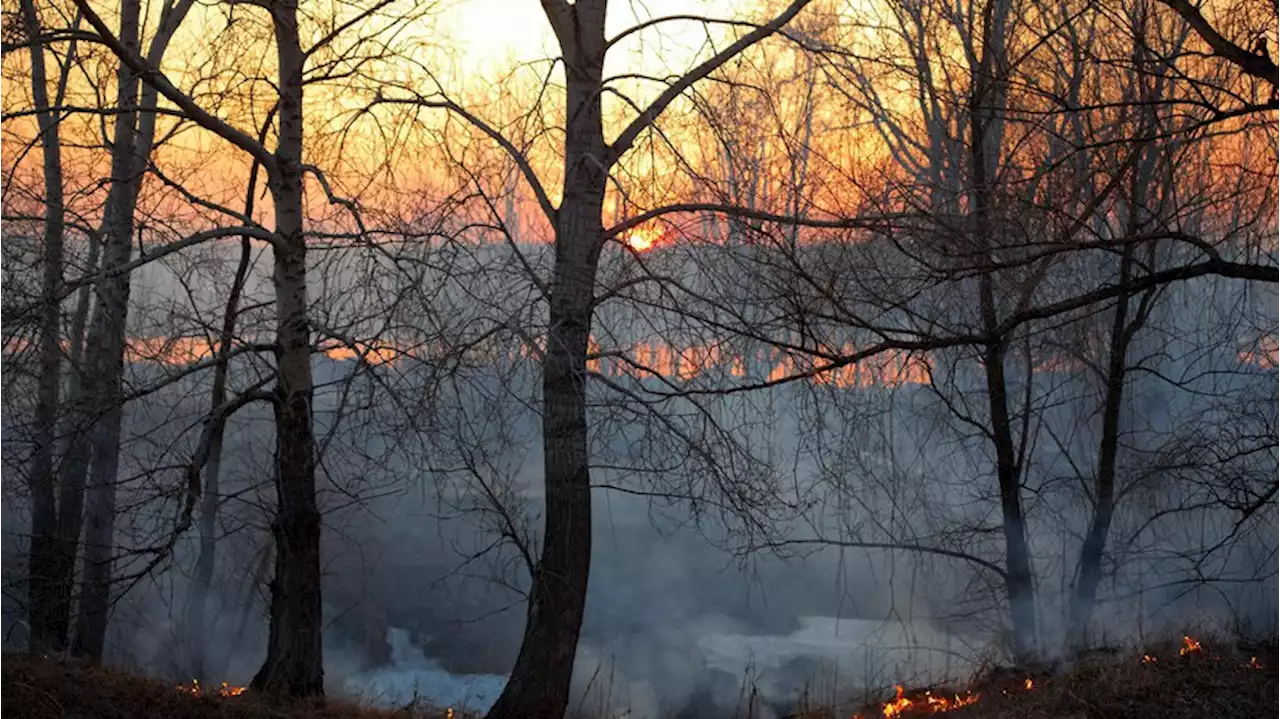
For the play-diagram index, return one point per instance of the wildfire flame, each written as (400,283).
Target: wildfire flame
(928,703)
(901,705)
(226,690)
(230,691)
(898,705)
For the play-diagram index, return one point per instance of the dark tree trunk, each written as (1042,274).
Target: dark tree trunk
(95,599)
(1019,587)
(135,133)
(1126,321)
(294,663)
(1095,542)
(97,403)
(131,149)
(44,635)
(985,118)
(540,680)
(79,320)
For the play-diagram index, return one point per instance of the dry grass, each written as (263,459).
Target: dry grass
(46,689)
(1220,681)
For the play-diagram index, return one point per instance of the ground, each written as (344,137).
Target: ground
(1184,680)
(46,689)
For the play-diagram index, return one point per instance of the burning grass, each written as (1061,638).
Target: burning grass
(1190,680)
(47,689)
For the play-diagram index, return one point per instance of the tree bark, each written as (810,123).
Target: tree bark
(135,133)
(985,122)
(540,680)
(80,318)
(1125,323)
(42,558)
(1091,551)
(97,401)
(294,663)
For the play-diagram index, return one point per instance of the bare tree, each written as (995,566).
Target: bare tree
(44,631)
(293,663)
(102,401)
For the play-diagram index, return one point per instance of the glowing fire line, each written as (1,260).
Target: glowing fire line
(927,703)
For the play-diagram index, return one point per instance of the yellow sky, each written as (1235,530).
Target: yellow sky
(490,32)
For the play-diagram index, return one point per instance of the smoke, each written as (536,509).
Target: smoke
(413,676)
(680,617)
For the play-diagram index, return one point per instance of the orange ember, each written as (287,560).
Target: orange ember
(226,690)
(1148,659)
(1189,645)
(1254,663)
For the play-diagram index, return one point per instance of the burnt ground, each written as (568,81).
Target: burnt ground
(1217,681)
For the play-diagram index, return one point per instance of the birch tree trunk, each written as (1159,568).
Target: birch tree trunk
(42,559)
(294,663)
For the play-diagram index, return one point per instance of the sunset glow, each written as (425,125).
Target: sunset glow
(970,302)
(642,239)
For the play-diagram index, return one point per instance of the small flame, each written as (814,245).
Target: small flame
(1148,659)
(229,691)
(1028,684)
(226,690)
(933,705)
(899,703)
(1254,663)
(1189,645)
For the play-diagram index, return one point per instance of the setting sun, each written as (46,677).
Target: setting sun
(642,239)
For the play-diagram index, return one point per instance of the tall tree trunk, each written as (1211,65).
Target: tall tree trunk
(135,133)
(1019,586)
(99,530)
(1091,551)
(294,663)
(42,559)
(80,318)
(1127,319)
(539,684)
(986,131)
(1125,323)
(97,401)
